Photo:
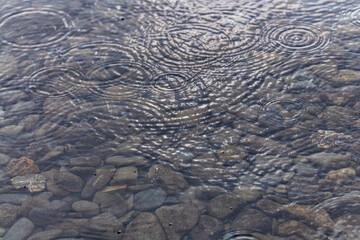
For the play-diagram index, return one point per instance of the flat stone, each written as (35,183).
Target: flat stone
(12,130)
(178,219)
(21,166)
(8,214)
(149,199)
(13,198)
(337,118)
(86,208)
(2,231)
(130,146)
(125,175)
(97,181)
(225,137)
(32,182)
(55,152)
(85,161)
(121,161)
(247,193)
(208,192)
(146,227)
(252,220)
(46,235)
(191,116)
(256,144)
(68,181)
(330,161)
(223,205)
(167,178)
(207,228)
(20,230)
(42,216)
(112,203)
(341,174)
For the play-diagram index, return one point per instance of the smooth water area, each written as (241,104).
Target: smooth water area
(179,119)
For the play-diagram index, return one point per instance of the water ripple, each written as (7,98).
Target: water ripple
(118,80)
(55,82)
(297,38)
(33,28)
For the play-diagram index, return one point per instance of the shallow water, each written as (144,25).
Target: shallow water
(179,119)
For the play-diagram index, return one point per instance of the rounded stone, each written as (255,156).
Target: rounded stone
(149,199)
(223,205)
(86,208)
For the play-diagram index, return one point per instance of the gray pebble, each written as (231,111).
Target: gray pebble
(20,230)
(149,199)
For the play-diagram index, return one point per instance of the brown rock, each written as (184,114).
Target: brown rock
(252,220)
(21,166)
(145,227)
(207,228)
(8,214)
(169,180)
(223,205)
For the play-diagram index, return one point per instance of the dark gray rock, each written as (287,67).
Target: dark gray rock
(269,207)
(97,181)
(347,203)
(330,161)
(247,193)
(149,199)
(13,198)
(178,219)
(145,227)
(121,161)
(252,220)
(167,178)
(85,161)
(207,228)
(20,230)
(223,205)
(104,226)
(208,192)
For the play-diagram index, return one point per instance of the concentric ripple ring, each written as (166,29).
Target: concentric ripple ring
(118,79)
(295,38)
(56,81)
(32,28)
(170,82)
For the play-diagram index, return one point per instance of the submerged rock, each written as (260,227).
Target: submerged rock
(252,220)
(207,228)
(8,214)
(330,161)
(149,199)
(178,219)
(223,205)
(20,230)
(21,166)
(145,227)
(97,181)
(32,182)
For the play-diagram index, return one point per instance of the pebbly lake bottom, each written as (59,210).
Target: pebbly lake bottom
(188,120)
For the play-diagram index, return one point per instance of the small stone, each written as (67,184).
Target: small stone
(57,151)
(269,207)
(30,122)
(347,75)
(43,216)
(145,227)
(114,188)
(231,153)
(106,225)
(208,192)
(86,208)
(121,161)
(20,230)
(112,203)
(21,166)
(68,181)
(294,228)
(223,205)
(97,181)
(85,161)
(125,175)
(207,228)
(4,159)
(168,179)
(149,199)
(341,174)
(349,202)
(13,130)
(178,219)
(32,182)
(8,214)
(313,216)
(247,193)
(46,235)
(2,231)
(225,137)
(130,146)
(191,116)
(330,161)
(252,220)
(337,118)
(13,198)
